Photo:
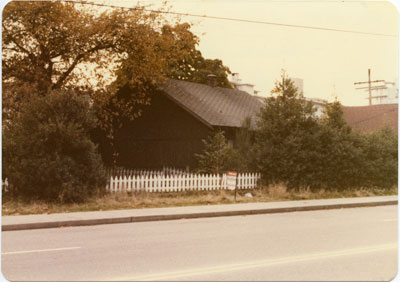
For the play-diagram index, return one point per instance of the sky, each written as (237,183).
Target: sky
(329,62)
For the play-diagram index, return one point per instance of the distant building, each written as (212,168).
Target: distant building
(319,105)
(383,92)
(298,83)
(386,93)
(239,85)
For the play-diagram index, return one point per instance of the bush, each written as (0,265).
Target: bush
(47,151)
(295,147)
(380,163)
(217,154)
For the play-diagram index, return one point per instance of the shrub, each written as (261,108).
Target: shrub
(294,147)
(217,154)
(380,163)
(47,151)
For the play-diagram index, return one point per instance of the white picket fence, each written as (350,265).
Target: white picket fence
(118,171)
(175,183)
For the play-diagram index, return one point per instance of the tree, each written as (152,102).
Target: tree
(295,147)
(51,45)
(47,151)
(56,45)
(333,117)
(216,155)
(191,65)
(285,136)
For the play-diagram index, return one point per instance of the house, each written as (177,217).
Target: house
(370,118)
(182,114)
(319,105)
(171,129)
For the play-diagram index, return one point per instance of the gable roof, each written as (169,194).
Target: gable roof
(215,106)
(369,118)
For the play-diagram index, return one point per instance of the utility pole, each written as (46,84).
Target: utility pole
(370,87)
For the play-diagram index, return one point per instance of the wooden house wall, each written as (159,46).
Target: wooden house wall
(165,135)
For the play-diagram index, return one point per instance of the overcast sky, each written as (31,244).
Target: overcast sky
(329,62)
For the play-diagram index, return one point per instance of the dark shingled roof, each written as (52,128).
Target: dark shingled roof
(215,106)
(369,118)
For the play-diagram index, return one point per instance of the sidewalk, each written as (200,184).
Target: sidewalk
(24,222)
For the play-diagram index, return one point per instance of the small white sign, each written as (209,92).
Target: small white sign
(231,179)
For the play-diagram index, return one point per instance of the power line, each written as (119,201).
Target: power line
(231,19)
(370,87)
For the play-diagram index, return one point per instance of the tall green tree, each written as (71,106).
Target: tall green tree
(285,136)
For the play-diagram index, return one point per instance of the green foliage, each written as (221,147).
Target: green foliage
(47,153)
(380,163)
(295,147)
(216,156)
(333,117)
(285,136)
(56,45)
(354,159)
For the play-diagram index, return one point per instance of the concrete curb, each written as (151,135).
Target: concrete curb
(87,222)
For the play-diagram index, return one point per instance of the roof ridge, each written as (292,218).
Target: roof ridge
(217,106)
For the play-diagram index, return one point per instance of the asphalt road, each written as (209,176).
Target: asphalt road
(349,244)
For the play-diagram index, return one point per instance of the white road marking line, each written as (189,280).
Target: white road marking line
(38,251)
(243,266)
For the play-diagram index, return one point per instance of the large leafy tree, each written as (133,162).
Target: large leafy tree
(191,65)
(53,45)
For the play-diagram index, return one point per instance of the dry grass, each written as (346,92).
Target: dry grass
(116,201)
